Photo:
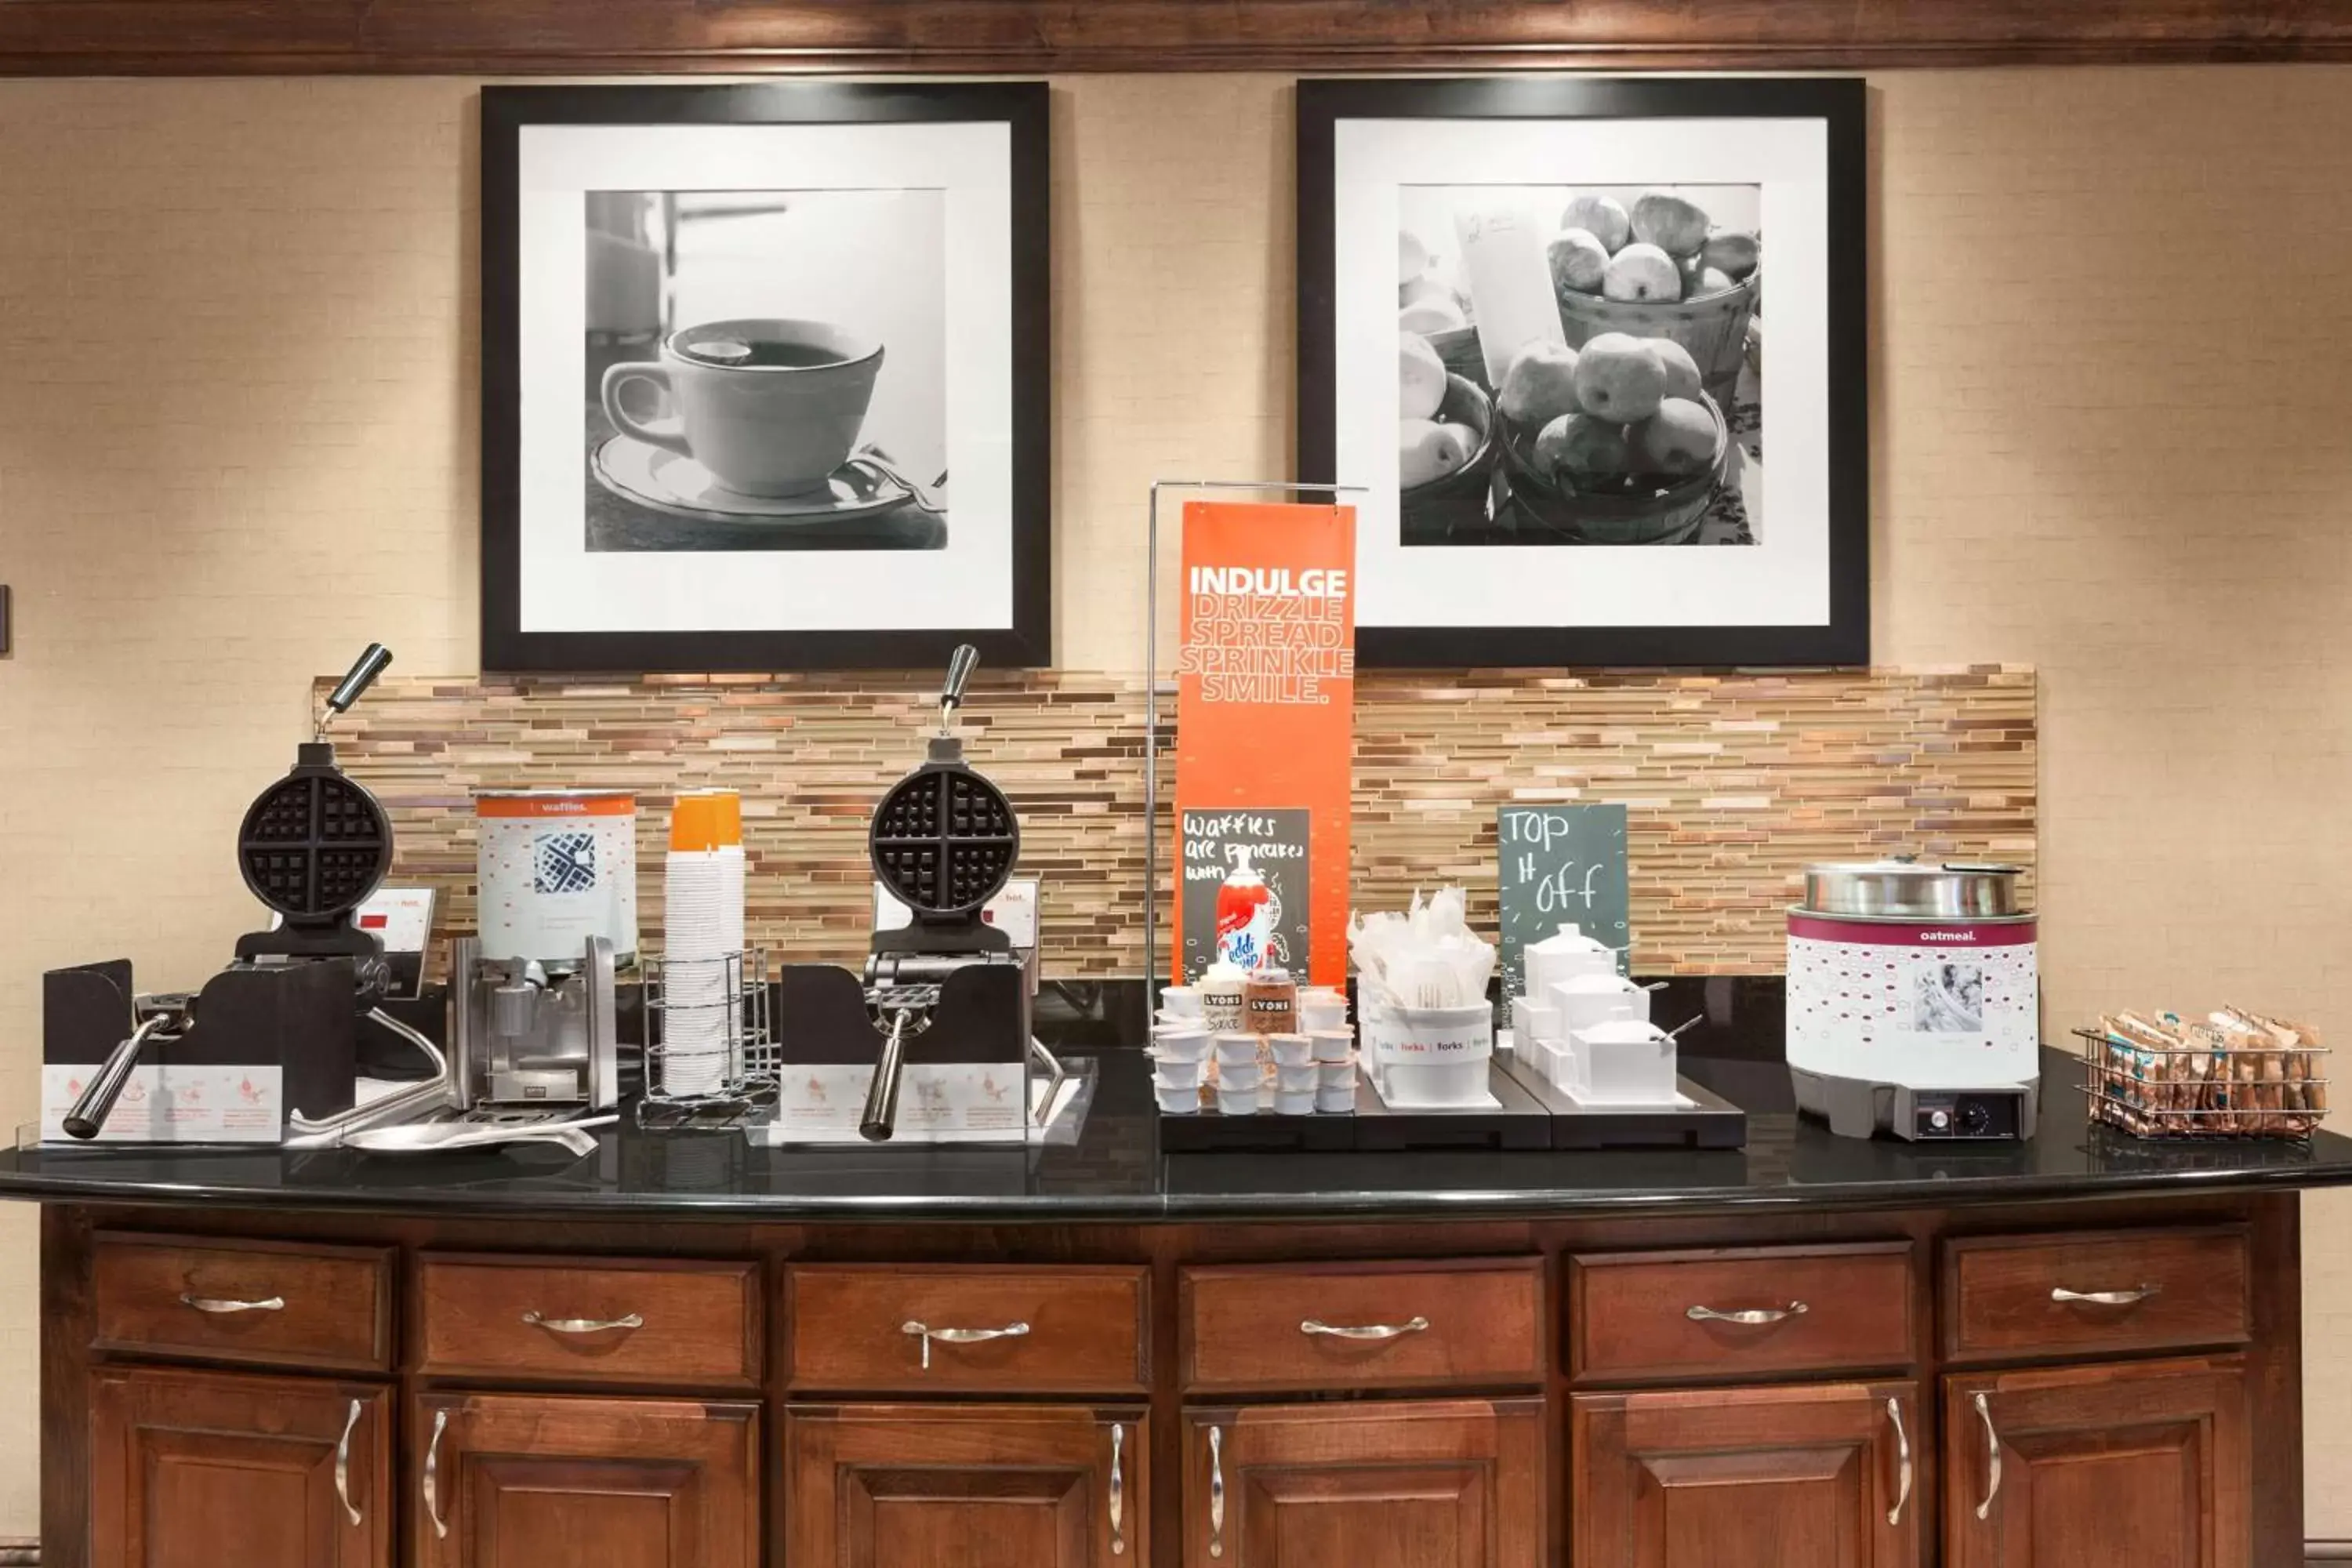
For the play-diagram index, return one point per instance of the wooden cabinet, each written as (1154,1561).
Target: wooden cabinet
(957,1329)
(1453,1483)
(2143,1462)
(1828,1475)
(2084,1294)
(1310,1327)
(529,1481)
(979,1487)
(194,1470)
(1733,1315)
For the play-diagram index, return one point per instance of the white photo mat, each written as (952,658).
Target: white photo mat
(564,587)
(1782,581)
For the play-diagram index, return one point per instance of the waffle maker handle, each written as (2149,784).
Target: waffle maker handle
(960,664)
(880,1119)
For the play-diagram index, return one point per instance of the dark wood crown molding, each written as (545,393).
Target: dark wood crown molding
(59,37)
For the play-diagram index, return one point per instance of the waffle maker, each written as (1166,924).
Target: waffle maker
(312,847)
(943,842)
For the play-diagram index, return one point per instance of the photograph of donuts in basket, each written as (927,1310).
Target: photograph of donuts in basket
(1579,364)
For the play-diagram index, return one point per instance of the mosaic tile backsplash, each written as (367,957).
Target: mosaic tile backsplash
(1733,782)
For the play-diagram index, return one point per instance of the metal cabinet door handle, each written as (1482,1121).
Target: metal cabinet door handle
(2107,1297)
(1412,1325)
(1118,1491)
(1216,1492)
(1992,1458)
(1903,1460)
(1754,1317)
(214,1305)
(432,1476)
(344,1464)
(960,1336)
(583,1325)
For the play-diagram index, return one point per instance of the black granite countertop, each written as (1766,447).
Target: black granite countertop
(1115,1171)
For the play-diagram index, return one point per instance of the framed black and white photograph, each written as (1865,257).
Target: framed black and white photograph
(1568,464)
(764,377)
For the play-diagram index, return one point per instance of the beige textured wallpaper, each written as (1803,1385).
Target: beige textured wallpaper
(237,413)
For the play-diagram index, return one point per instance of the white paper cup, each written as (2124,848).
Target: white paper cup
(1291,1050)
(1238,1099)
(1295,1079)
(1335,1075)
(1168,1074)
(1317,1015)
(1331,1045)
(1336,1101)
(1236,1051)
(1180,1044)
(1298,1103)
(1177,1101)
(1180,1000)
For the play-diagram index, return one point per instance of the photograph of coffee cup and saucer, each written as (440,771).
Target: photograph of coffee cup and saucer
(737,431)
(766,375)
(761,424)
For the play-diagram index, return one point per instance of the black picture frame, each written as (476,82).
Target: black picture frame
(1841,103)
(506,647)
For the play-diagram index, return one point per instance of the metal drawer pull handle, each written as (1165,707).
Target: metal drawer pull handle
(1992,1459)
(1412,1325)
(432,1476)
(958,1336)
(1117,1492)
(2107,1297)
(344,1464)
(1216,1492)
(1753,1317)
(583,1325)
(1902,1459)
(208,1304)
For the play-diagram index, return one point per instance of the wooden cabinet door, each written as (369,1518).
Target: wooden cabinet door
(878,1486)
(194,1470)
(2147,1463)
(544,1481)
(1438,1483)
(1826,1475)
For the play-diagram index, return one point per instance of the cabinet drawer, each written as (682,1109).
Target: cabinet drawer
(272,1303)
(2095,1292)
(1361,1325)
(600,1319)
(857,1328)
(1732,1312)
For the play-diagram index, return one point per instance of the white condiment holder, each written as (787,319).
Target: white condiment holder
(1623,1062)
(1431,1057)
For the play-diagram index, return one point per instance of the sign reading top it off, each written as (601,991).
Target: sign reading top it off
(1266,695)
(1560,865)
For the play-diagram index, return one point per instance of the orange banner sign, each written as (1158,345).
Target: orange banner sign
(1265,729)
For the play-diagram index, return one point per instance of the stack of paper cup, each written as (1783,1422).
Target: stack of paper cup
(702,922)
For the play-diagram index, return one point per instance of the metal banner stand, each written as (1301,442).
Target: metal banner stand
(1153,691)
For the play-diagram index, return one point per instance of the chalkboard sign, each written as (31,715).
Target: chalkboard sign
(1214,842)
(1560,865)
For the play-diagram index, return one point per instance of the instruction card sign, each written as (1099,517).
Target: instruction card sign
(1560,865)
(1266,700)
(1274,844)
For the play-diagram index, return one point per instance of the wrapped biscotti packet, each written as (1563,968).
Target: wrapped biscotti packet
(2289,1055)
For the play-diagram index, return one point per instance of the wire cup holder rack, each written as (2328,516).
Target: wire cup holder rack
(709,1039)
(2272,1093)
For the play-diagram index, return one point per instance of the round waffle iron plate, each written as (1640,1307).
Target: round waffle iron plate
(313,846)
(944,840)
